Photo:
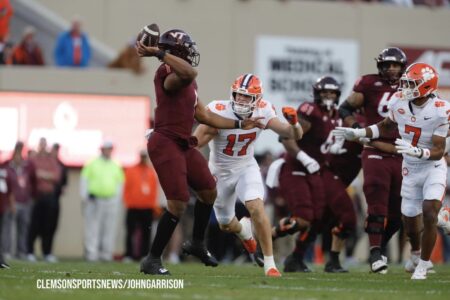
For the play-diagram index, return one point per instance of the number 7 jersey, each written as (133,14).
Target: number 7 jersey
(417,125)
(233,148)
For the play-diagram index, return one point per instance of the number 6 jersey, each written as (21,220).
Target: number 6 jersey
(233,149)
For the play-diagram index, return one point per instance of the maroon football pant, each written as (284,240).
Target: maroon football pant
(303,193)
(178,168)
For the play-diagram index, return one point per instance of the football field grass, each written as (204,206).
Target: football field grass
(226,282)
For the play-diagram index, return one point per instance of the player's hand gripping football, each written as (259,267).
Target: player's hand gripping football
(290,114)
(143,50)
(405,147)
(250,123)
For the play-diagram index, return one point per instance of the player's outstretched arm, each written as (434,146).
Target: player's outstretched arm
(204,134)
(183,73)
(291,130)
(374,131)
(204,116)
(346,109)
(382,146)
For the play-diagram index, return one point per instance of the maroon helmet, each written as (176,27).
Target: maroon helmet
(388,56)
(179,43)
(326,83)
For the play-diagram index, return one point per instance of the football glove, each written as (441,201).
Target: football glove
(405,147)
(350,134)
(337,147)
(310,163)
(290,114)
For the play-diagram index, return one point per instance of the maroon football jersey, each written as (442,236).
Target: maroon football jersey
(317,141)
(174,113)
(377,93)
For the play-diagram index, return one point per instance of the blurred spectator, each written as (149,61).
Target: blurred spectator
(21,171)
(141,200)
(6,203)
(405,3)
(59,187)
(45,178)
(27,52)
(5,52)
(432,3)
(101,186)
(128,59)
(72,47)
(6,12)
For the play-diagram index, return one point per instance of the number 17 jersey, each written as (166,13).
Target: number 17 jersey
(233,149)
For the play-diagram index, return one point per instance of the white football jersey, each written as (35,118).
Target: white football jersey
(417,125)
(233,148)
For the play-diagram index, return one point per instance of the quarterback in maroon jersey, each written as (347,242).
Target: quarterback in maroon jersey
(382,171)
(171,147)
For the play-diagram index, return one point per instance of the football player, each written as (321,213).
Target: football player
(233,164)
(305,190)
(382,171)
(171,147)
(422,120)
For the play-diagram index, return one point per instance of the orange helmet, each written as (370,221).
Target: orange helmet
(248,85)
(419,80)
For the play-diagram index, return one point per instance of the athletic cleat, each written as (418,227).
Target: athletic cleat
(378,262)
(331,267)
(273,272)
(249,244)
(294,264)
(411,263)
(199,250)
(4,265)
(420,273)
(153,266)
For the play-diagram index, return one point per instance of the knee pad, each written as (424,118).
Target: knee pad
(375,224)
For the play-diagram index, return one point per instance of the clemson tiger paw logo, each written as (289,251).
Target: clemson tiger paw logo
(427,74)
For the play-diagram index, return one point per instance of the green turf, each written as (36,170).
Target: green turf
(227,282)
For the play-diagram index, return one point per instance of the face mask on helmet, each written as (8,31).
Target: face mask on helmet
(179,43)
(391,64)
(419,80)
(246,92)
(327,92)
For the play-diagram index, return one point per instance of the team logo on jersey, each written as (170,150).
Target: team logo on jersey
(401,111)
(405,171)
(378,83)
(413,119)
(220,106)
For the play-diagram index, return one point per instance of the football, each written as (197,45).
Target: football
(149,35)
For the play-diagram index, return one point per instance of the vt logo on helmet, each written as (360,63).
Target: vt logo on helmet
(246,92)
(326,92)
(419,80)
(179,43)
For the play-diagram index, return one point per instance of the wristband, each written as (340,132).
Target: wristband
(375,131)
(297,125)
(302,157)
(425,154)
(356,125)
(160,54)
(238,124)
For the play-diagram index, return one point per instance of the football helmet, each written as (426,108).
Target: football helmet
(385,58)
(419,80)
(247,85)
(179,43)
(326,83)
